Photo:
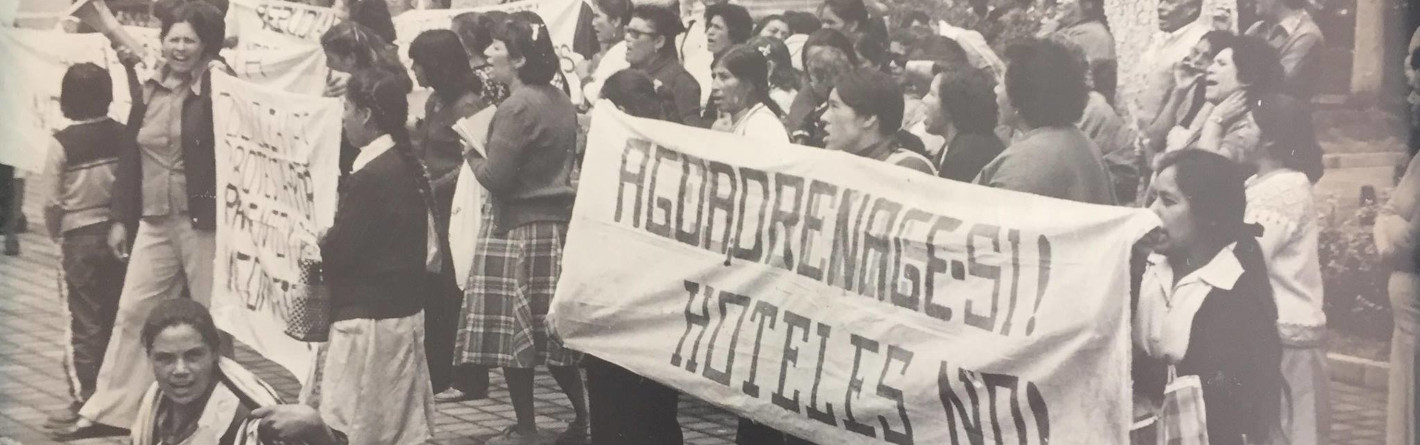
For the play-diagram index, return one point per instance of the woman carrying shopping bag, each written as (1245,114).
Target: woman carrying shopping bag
(1205,310)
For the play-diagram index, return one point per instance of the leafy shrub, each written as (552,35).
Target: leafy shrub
(1356,300)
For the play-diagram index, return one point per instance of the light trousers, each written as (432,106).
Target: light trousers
(168,256)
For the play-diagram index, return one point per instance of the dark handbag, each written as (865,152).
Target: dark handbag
(308,315)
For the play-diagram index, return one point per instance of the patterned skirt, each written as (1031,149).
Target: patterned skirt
(510,288)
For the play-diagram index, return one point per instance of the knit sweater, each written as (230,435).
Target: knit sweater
(1282,203)
(531,149)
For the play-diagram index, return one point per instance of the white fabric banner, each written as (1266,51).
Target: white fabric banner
(277,23)
(466,214)
(560,16)
(32,67)
(844,300)
(33,63)
(296,68)
(278,44)
(277,156)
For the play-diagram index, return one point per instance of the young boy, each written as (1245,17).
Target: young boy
(78,179)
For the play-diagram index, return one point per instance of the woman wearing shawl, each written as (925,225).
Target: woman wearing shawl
(200,398)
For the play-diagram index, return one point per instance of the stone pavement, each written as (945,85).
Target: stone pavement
(32,377)
(32,380)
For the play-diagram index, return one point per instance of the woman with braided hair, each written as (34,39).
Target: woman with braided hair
(785,81)
(381,258)
(741,88)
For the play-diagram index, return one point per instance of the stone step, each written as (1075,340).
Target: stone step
(1358,371)
(1340,188)
(1363,160)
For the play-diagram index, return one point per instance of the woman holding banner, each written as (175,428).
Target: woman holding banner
(1218,321)
(741,88)
(531,150)
(164,200)
(626,408)
(381,259)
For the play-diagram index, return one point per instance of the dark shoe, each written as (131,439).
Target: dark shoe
(576,433)
(454,395)
(12,245)
(511,436)
(90,431)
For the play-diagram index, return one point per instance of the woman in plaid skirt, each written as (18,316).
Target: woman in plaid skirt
(1205,308)
(527,175)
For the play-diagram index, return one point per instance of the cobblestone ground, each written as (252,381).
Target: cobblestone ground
(32,380)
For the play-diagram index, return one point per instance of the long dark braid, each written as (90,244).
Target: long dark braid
(386,94)
(751,65)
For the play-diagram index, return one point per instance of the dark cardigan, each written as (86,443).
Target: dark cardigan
(1235,350)
(374,254)
(199,160)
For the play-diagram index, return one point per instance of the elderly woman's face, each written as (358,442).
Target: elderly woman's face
(1221,79)
(183,363)
(182,49)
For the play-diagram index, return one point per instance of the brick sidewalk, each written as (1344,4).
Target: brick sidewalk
(32,379)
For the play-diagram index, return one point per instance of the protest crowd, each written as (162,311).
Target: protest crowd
(463,150)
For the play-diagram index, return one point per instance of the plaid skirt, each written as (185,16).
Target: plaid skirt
(510,288)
